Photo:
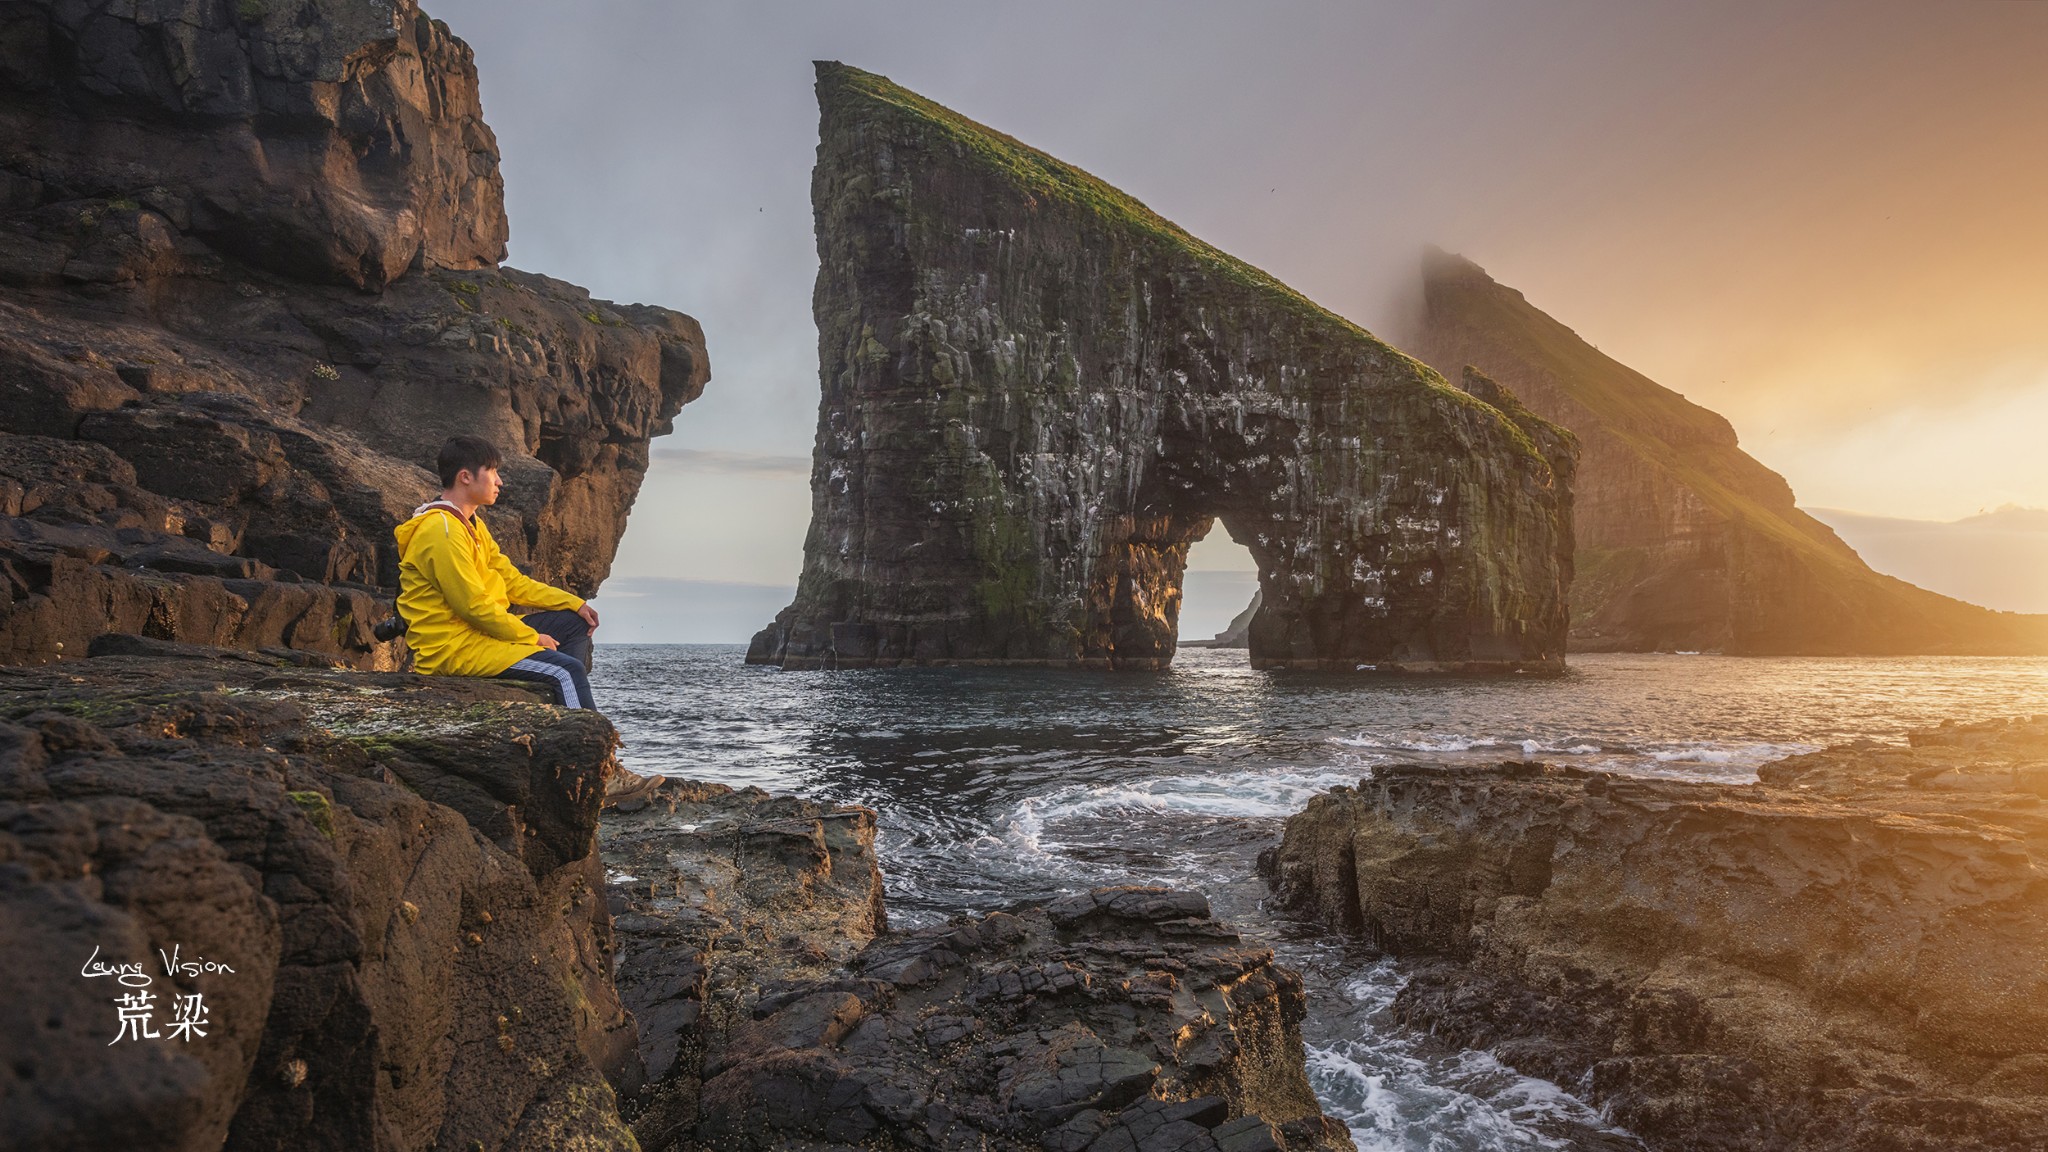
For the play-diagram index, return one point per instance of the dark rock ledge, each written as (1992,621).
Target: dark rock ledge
(404,874)
(1850,955)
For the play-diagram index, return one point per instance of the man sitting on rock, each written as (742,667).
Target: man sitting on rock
(456,590)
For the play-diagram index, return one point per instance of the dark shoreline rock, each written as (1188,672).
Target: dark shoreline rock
(402,872)
(1851,954)
(1037,394)
(774,1014)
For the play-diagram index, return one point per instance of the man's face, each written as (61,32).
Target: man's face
(480,486)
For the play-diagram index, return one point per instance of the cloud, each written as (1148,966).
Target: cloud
(1998,558)
(655,610)
(713,461)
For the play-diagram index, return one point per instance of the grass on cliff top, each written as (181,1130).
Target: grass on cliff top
(1632,406)
(1043,175)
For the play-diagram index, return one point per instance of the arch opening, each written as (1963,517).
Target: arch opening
(1218,592)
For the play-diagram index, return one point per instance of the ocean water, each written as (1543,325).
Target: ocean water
(1002,786)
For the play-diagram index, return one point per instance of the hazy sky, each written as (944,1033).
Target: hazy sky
(1828,222)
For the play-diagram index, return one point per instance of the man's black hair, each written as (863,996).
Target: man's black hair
(466,454)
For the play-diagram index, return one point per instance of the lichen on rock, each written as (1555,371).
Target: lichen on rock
(1037,394)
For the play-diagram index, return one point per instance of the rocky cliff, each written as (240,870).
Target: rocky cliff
(1037,394)
(1851,954)
(1684,540)
(248,284)
(382,890)
(775,1013)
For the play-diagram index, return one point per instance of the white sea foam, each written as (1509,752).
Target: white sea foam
(1021,835)
(1725,762)
(1274,793)
(1394,1099)
(1393,1102)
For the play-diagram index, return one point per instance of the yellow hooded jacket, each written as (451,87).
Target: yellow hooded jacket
(455,590)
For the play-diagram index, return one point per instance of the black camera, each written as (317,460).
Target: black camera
(391,629)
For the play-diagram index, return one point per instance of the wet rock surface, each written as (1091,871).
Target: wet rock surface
(1684,541)
(1037,395)
(401,872)
(1851,954)
(775,1013)
(248,285)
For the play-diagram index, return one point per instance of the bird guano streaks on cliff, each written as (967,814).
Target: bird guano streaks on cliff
(1018,440)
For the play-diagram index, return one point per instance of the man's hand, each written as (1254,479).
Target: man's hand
(589,615)
(548,642)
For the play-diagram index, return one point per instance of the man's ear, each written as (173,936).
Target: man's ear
(464,479)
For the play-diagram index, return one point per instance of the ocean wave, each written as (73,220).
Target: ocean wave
(1390,1102)
(1254,793)
(1394,1100)
(1567,746)
(1021,834)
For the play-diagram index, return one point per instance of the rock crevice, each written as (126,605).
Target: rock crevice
(775,1014)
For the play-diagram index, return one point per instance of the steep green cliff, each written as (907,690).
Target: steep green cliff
(1037,394)
(1684,540)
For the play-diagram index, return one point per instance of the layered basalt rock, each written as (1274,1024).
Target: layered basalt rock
(774,1015)
(401,872)
(208,427)
(1037,394)
(1684,540)
(314,139)
(1851,954)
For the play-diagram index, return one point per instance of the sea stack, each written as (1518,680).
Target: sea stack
(1037,394)
(1685,541)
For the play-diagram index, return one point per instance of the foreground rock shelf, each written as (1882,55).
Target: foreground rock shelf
(1851,954)
(774,1015)
(401,872)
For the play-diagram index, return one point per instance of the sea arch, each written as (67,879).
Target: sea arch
(1036,394)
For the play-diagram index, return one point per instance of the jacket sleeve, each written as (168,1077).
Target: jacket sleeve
(522,589)
(445,562)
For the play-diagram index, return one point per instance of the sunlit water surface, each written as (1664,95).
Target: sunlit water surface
(998,787)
